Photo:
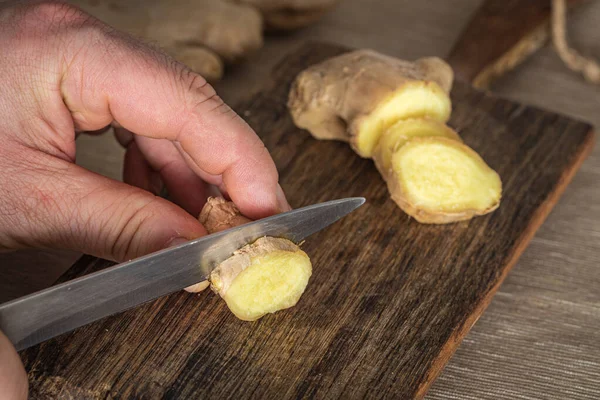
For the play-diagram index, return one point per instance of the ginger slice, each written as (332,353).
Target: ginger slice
(263,277)
(398,134)
(356,96)
(260,278)
(439,180)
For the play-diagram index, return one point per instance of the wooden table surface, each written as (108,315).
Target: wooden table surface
(538,339)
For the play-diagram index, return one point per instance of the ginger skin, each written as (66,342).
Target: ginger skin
(395,112)
(356,96)
(217,215)
(263,277)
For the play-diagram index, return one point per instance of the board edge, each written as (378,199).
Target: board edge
(540,216)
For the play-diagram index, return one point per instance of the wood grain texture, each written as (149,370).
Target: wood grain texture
(501,35)
(389,300)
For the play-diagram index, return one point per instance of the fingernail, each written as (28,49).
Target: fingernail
(281,200)
(176,242)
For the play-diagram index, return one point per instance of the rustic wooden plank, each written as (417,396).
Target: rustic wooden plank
(389,300)
(501,35)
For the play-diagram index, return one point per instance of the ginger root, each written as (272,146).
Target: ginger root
(205,34)
(395,112)
(263,277)
(356,96)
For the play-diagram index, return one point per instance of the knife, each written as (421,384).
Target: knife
(40,316)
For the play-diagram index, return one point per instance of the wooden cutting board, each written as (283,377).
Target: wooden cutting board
(389,301)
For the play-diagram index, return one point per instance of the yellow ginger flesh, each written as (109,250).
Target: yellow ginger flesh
(413,100)
(272,282)
(439,180)
(263,277)
(402,131)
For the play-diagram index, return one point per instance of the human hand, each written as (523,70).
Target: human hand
(65,72)
(13,379)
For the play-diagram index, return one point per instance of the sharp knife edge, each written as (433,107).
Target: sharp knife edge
(59,309)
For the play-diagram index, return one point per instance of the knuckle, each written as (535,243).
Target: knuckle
(62,22)
(201,97)
(45,27)
(128,241)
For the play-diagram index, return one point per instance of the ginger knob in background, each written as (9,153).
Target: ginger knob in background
(287,15)
(263,277)
(395,111)
(206,35)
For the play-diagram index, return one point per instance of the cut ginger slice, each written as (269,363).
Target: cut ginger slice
(440,180)
(402,131)
(415,99)
(263,277)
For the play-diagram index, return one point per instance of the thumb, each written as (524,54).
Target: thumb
(13,379)
(70,207)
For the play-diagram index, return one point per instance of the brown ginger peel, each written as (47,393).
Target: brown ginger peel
(356,96)
(217,215)
(395,112)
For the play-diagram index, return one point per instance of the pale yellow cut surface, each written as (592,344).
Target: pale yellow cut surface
(272,282)
(399,133)
(415,99)
(441,175)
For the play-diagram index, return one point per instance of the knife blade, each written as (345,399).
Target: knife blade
(32,319)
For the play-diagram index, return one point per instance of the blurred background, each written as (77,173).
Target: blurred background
(511,352)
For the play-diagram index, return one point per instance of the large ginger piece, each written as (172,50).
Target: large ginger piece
(356,96)
(395,112)
(260,278)
(439,180)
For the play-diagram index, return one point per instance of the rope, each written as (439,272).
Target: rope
(589,68)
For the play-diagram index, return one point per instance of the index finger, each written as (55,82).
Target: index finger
(152,95)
